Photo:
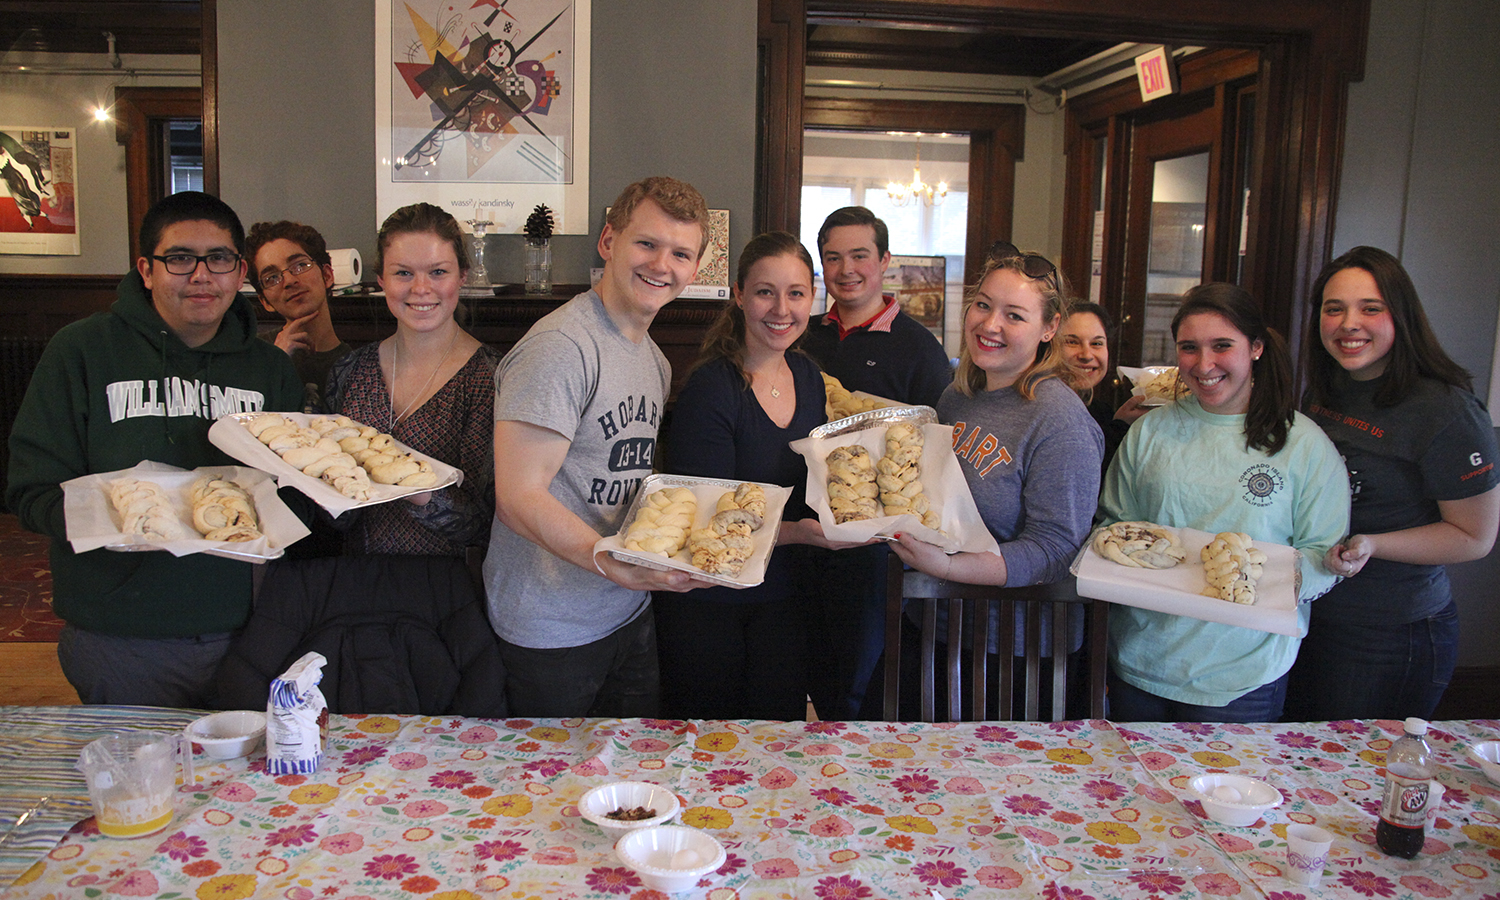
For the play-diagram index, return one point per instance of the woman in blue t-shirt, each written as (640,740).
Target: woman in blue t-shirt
(1234,456)
(1420,451)
(727,653)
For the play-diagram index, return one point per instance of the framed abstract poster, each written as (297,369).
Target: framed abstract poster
(38,191)
(483,109)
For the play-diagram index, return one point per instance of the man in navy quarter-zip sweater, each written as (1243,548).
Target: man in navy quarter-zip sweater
(870,345)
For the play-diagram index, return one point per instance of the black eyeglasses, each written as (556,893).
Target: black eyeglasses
(219,263)
(274,279)
(1033,265)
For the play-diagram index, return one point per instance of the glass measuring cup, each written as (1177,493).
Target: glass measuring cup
(132,779)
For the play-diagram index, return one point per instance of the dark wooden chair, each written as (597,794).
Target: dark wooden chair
(968,607)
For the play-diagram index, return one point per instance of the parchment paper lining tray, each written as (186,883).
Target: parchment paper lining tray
(1177,590)
(93,522)
(942,481)
(707,491)
(230,435)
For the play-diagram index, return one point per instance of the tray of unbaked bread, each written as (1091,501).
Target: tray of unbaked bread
(1226,577)
(339,463)
(898,473)
(717,529)
(229,511)
(1158,385)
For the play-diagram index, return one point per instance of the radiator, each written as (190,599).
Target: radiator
(18,358)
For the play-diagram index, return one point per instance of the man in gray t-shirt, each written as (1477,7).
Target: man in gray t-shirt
(577,407)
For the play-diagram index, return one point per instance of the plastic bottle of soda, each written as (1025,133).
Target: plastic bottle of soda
(1403,810)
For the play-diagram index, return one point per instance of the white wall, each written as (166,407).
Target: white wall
(1421,178)
(68,101)
(672,95)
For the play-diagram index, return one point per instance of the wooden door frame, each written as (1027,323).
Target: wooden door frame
(1205,126)
(135,109)
(997,140)
(1309,50)
(1114,111)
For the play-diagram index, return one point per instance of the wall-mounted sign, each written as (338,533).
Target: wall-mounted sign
(1156,74)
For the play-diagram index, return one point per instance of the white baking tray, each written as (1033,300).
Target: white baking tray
(707,491)
(1178,590)
(230,435)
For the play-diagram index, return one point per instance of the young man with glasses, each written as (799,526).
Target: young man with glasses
(291,270)
(144,381)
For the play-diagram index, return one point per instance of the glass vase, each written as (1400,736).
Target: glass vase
(538,267)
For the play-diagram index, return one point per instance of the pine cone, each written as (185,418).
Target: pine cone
(539,224)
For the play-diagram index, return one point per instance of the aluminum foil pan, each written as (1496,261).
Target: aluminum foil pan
(877,418)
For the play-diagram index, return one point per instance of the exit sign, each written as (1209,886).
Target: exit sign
(1156,74)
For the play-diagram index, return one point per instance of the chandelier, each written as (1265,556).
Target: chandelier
(917,190)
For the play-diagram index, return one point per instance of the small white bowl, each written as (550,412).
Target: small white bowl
(1487,755)
(1235,799)
(606,798)
(670,858)
(228,735)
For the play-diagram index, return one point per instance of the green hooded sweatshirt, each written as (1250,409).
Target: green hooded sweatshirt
(111,391)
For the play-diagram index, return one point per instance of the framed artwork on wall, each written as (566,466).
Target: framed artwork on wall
(919,284)
(38,191)
(483,109)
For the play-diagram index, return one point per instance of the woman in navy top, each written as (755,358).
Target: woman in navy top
(1420,450)
(728,653)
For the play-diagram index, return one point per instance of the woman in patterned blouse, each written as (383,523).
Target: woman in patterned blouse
(430,385)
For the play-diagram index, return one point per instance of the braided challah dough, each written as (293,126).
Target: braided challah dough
(852,490)
(223,511)
(663,522)
(145,510)
(1232,566)
(841,404)
(723,547)
(347,455)
(899,475)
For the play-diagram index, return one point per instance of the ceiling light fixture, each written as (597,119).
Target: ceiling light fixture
(917,190)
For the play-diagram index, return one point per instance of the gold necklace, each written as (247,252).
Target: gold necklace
(395,378)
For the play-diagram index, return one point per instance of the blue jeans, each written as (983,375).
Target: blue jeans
(1373,670)
(1128,703)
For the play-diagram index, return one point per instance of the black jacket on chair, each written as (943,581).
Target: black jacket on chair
(402,634)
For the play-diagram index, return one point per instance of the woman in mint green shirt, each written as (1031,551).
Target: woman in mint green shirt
(1234,456)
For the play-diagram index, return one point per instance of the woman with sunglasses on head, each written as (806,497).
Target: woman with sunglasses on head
(430,386)
(1420,452)
(1234,456)
(1025,443)
(1084,337)
(729,653)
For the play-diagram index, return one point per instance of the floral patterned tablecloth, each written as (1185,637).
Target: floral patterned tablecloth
(447,808)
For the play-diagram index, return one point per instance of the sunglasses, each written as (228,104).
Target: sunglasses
(1033,265)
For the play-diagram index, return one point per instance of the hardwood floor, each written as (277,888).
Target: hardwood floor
(30,676)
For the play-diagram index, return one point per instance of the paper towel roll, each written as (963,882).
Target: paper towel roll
(346,267)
